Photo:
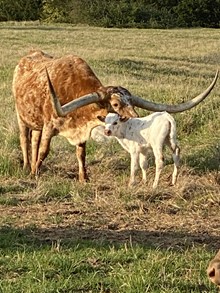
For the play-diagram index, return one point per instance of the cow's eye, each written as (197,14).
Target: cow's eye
(115,105)
(115,123)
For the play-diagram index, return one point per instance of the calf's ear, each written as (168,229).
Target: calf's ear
(101,118)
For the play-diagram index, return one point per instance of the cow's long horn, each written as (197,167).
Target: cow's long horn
(69,107)
(139,102)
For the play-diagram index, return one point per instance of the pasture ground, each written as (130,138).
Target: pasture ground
(58,235)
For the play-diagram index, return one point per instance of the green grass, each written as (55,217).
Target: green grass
(28,265)
(58,235)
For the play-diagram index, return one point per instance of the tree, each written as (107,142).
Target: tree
(20,10)
(204,13)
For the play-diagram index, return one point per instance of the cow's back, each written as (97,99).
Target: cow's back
(71,77)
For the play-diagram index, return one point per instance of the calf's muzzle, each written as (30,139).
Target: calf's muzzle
(107,132)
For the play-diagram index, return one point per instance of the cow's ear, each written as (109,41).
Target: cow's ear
(101,118)
(123,119)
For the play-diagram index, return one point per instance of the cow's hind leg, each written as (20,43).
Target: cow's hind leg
(81,157)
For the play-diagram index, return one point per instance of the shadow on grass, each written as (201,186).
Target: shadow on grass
(206,159)
(35,238)
(136,69)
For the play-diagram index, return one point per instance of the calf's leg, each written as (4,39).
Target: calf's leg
(143,164)
(176,160)
(171,142)
(159,165)
(134,167)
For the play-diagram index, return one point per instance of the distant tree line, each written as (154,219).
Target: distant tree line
(116,13)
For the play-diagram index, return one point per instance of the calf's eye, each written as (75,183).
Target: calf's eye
(115,123)
(115,105)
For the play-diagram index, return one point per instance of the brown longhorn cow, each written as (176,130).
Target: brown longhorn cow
(63,96)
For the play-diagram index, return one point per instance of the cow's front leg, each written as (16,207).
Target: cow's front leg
(35,143)
(44,146)
(81,157)
(25,143)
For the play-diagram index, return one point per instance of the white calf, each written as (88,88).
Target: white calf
(137,135)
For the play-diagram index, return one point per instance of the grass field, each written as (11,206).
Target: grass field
(58,235)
